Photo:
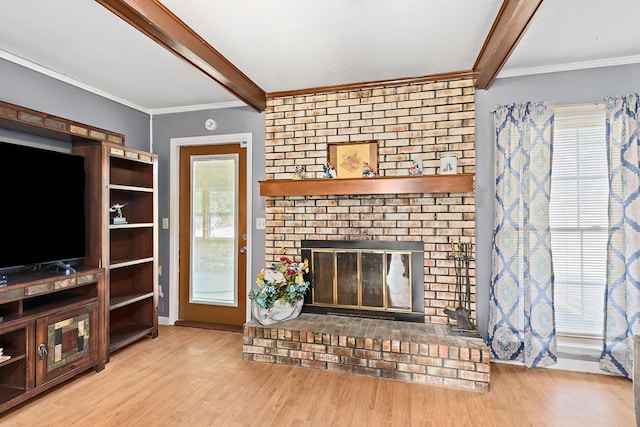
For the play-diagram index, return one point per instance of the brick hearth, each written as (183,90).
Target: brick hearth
(414,352)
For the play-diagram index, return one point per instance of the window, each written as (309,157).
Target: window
(578,219)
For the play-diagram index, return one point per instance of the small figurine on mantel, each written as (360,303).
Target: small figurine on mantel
(415,169)
(367,170)
(298,172)
(329,171)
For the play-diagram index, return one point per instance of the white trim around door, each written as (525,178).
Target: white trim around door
(244,139)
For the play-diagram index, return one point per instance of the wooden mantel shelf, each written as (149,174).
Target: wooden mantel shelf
(458,183)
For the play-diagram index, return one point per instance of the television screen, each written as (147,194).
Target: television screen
(42,214)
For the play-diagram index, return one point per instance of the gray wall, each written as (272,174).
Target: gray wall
(33,90)
(30,89)
(182,125)
(571,87)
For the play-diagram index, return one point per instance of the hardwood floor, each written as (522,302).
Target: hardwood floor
(197,377)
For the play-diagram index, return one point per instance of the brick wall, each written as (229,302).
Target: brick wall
(418,121)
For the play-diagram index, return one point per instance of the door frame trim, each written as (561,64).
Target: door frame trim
(174,209)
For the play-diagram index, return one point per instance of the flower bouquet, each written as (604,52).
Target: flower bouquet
(281,286)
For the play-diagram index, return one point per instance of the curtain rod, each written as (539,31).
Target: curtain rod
(567,108)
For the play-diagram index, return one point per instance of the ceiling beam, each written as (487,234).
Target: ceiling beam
(507,31)
(157,22)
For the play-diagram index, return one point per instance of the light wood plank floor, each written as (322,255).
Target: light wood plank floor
(197,377)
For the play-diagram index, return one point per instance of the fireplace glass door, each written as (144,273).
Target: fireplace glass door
(371,280)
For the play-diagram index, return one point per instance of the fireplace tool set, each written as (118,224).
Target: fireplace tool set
(460,310)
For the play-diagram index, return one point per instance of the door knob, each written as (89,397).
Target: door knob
(243,250)
(42,351)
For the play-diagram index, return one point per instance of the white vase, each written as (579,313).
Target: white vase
(277,313)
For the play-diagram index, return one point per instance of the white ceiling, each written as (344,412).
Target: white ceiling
(287,45)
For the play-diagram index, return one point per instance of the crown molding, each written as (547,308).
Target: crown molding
(570,66)
(66,79)
(198,107)
(150,111)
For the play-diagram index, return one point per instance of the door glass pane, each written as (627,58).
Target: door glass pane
(347,267)
(372,284)
(399,280)
(323,277)
(214,186)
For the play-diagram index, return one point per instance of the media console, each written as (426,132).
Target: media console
(53,327)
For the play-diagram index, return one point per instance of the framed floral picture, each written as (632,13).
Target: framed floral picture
(351,159)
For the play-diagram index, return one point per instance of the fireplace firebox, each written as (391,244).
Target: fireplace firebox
(364,278)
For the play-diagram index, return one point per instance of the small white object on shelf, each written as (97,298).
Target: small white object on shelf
(448,164)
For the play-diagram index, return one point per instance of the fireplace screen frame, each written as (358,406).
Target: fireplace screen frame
(345,303)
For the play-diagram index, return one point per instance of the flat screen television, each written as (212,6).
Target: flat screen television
(42,207)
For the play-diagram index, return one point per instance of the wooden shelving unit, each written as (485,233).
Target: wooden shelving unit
(132,247)
(129,252)
(455,183)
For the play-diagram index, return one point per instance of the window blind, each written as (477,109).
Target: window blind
(578,220)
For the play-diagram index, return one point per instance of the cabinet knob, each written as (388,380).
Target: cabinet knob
(42,351)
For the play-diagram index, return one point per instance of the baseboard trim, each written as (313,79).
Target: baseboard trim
(212,326)
(575,365)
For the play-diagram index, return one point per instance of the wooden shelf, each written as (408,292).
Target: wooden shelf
(7,394)
(422,184)
(118,301)
(130,334)
(15,356)
(129,262)
(131,225)
(130,188)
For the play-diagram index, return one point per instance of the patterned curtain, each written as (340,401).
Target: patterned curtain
(521,312)
(622,296)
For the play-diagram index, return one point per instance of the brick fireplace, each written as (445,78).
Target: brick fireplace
(418,121)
